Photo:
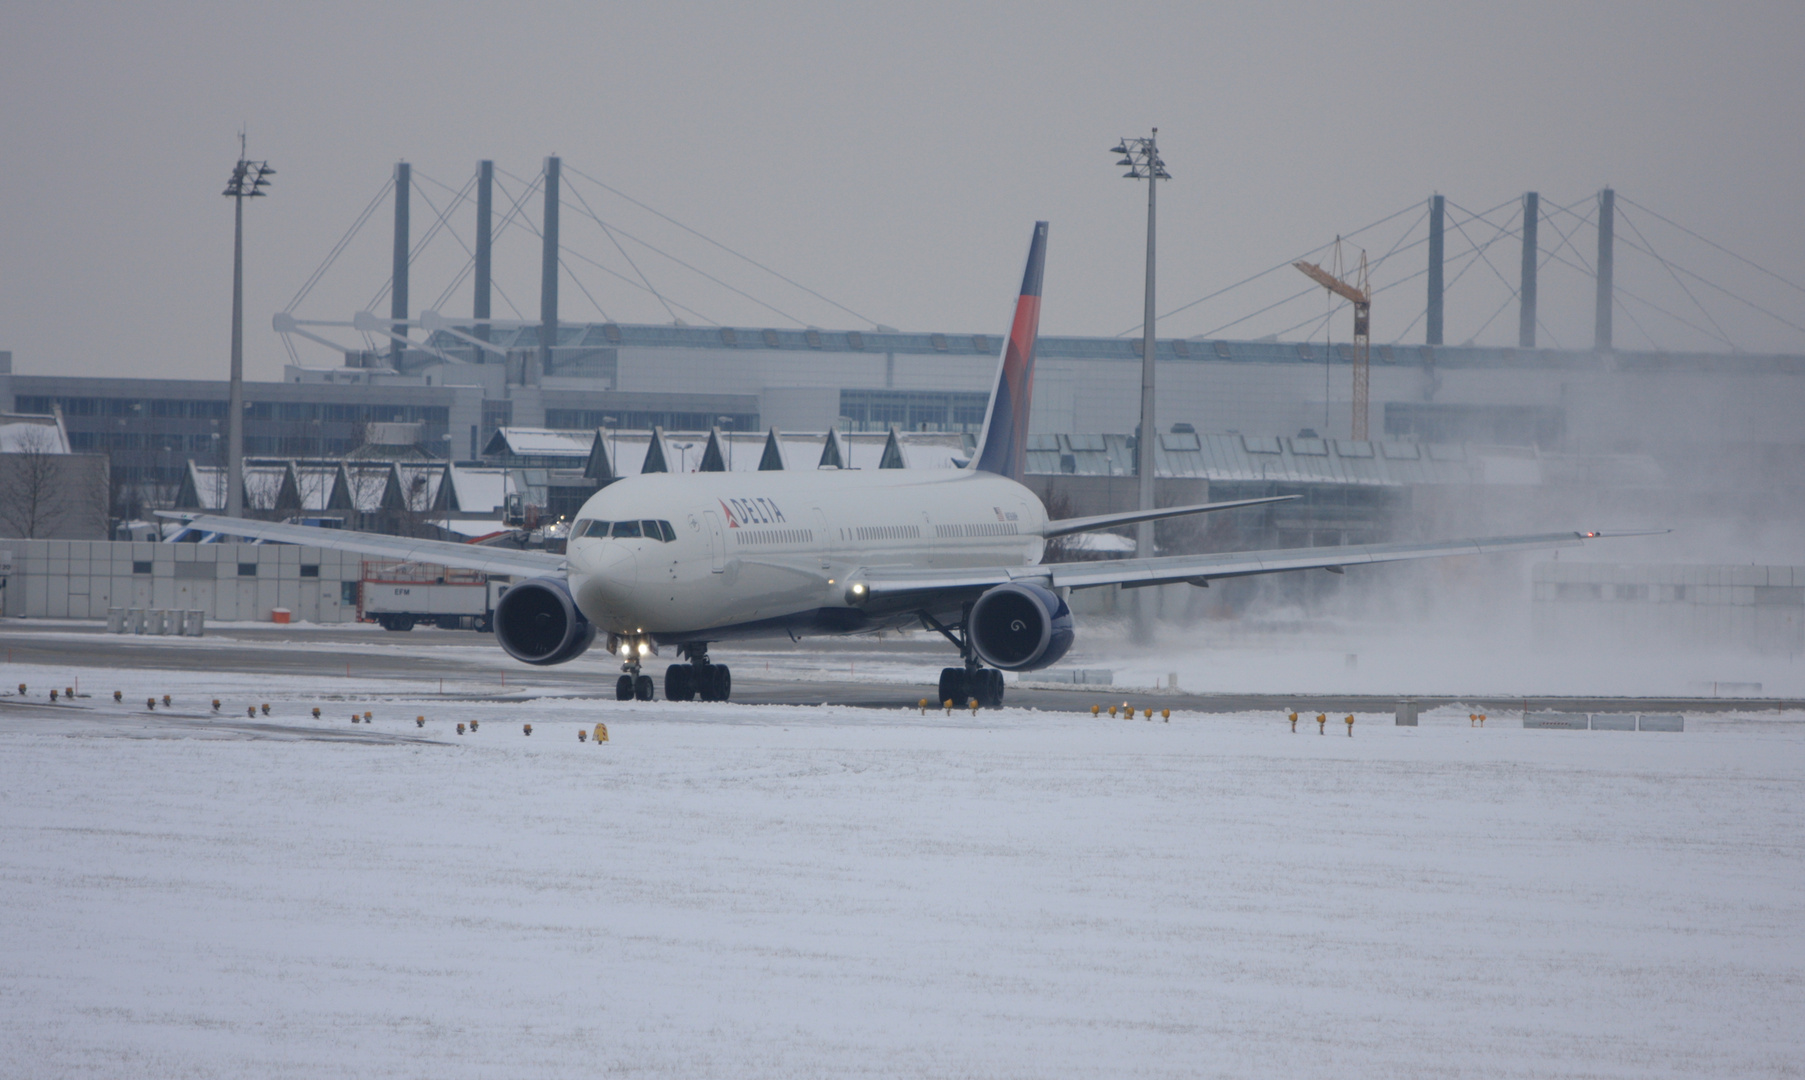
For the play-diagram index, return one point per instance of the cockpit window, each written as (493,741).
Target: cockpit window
(620,530)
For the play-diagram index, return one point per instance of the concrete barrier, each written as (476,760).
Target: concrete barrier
(1613,721)
(1082,676)
(1559,721)
(1661,722)
(1407,713)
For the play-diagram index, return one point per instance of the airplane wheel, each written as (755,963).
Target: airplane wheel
(643,688)
(952,685)
(722,682)
(705,681)
(679,684)
(623,688)
(992,681)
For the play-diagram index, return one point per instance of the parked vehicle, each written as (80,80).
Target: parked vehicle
(402,595)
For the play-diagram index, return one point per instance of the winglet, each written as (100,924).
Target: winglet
(1002,449)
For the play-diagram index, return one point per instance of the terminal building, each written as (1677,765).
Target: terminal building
(1707,422)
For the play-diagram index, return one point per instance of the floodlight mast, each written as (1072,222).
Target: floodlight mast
(1144,163)
(249,178)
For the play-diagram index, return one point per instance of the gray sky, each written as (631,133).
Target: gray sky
(892,158)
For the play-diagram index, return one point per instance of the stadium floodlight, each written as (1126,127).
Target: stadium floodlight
(1143,161)
(249,178)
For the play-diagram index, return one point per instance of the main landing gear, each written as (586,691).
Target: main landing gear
(961,684)
(698,678)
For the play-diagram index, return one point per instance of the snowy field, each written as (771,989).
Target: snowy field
(731,891)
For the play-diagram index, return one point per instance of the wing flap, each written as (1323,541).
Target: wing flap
(399,548)
(1176,568)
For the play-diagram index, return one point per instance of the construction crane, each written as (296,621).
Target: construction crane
(1360,294)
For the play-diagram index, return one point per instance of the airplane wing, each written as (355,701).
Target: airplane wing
(1067,526)
(399,548)
(896,587)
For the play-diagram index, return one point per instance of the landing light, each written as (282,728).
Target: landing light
(645,648)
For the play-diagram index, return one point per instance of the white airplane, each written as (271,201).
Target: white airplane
(688,560)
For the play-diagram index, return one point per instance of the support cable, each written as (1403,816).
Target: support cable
(1712,243)
(339,248)
(723,247)
(611,272)
(516,210)
(697,270)
(1639,299)
(1637,323)
(1399,248)
(1471,255)
(1341,305)
(1270,270)
(1676,280)
(584,289)
(1504,230)
(1658,309)
(623,254)
(1308,291)
(1701,279)
(441,222)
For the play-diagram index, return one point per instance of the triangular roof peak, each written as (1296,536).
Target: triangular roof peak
(657,457)
(893,455)
(772,459)
(832,455)
(712,458)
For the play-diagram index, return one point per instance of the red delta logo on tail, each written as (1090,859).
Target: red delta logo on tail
(1003,447)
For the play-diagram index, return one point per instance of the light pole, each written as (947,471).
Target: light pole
(683,448)
(1143,161)
(249,178)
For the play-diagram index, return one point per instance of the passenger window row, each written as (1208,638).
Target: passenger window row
(622,530)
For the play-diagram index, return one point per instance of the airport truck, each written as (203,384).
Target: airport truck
(402,595)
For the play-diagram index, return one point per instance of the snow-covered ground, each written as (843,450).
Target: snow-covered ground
(736,891)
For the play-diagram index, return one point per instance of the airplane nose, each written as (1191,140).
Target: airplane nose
(610,572)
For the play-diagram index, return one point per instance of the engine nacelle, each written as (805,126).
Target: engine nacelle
(1020,627)
(537,622)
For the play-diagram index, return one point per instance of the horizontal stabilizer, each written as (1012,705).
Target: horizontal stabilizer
(1067,526)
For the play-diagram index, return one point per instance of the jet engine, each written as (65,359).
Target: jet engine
(1020,627)
(537,622)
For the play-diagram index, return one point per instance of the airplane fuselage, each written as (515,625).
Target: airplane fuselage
(769,552)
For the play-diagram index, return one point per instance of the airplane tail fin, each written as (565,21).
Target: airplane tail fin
(1002,449)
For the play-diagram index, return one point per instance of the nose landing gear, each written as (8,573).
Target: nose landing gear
(633,686)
